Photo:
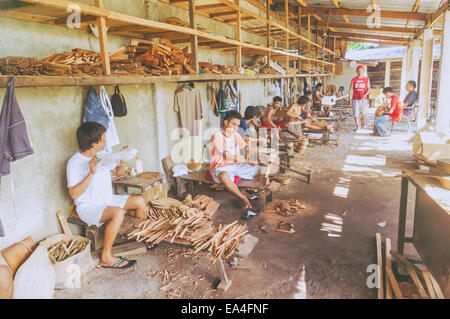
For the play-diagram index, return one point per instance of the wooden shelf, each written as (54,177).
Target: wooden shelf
(55,12)
(48,81)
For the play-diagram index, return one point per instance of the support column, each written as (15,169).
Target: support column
(238,35)
(415,61)
(268,31)
(299,40)
(387,74)
(406,66)
(443,106)
(194,38)
(286,13)
(103,38)
(426,76)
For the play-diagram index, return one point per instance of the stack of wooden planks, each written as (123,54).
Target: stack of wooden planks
(189,223)
(31,66)
(209,68)
(420,285)
(162,59)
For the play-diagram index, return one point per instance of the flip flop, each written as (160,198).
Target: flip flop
(248,215)
(150,246)
(130,263)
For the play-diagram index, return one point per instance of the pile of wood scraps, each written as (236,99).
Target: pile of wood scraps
(284,227)
(209,68)
(189,223)
(162,59)
(66,249)
(288,208)
(420,283)
(32,66)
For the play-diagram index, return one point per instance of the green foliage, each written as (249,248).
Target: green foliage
(359,46)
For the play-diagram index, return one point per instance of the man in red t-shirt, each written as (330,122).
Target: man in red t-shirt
(359,91)
(394,114)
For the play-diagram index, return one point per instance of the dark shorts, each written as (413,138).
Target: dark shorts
(317,107)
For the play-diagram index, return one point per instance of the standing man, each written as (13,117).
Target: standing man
(359,92)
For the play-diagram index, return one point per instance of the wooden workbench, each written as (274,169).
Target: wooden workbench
(431,226)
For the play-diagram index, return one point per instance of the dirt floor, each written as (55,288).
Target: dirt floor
(354,181)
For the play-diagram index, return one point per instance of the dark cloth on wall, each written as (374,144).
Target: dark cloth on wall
(14,142)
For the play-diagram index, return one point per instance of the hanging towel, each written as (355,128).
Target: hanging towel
(111,136)
(14,141)
(93,109)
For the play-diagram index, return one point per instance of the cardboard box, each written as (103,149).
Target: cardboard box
(432,145)
(69,273)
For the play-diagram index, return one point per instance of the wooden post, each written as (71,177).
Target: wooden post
(425,78)
(387,74)
(415,60)
(443,108)
(286,13)
(309,38)
(103,38)
(402,215)
(268,30)
(194,38)
(299,40)
(238,35)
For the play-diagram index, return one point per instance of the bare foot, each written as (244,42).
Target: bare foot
(247,204)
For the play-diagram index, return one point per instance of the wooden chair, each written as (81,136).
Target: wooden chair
(186,182)
(410,118)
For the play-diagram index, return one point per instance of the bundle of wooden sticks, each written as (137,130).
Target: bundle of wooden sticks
(171,221)
(65,249)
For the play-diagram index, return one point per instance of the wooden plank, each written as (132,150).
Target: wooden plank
(103,38)
(437,288)
(379,267)
(238,36)
(369,36)
(387,258)
(430,287)
(367,28)
(364,13)
(194,38)
(64,4)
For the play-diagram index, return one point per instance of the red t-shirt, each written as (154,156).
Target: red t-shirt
(396,115)
(360,88)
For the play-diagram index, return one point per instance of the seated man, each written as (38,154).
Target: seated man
(90,186)
(271,110)
(296,121)
(248,129)
(311,121)
(226,162)
(394,114)
(317,101)
(412,96)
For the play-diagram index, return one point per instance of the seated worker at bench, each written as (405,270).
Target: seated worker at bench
(295,120)
(318,107)
(90,186)
(311,121)
(226,162)
(249,130)
(271,110)
(393,114)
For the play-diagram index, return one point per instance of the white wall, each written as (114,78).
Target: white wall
(54,113)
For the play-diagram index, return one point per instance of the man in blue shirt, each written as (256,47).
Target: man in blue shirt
(411,98)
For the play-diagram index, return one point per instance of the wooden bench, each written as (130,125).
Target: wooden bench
(97,234)
(186,182)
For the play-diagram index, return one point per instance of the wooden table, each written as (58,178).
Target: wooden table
(431,226)
(138,182)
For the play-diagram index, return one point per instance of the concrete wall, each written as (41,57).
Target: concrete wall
(344,80)
(54,113)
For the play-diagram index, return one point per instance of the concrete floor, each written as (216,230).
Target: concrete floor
(354,180)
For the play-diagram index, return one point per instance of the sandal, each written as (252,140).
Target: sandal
(150,246)
(130,263)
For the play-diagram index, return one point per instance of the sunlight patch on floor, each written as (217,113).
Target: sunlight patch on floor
(333,224)
(300,290)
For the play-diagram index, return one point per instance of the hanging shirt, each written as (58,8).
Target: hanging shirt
(188,103)
(360,88)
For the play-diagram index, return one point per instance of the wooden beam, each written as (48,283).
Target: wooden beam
(210,6)
(369,36)
(381,42)
(221,14)
(26,17)
(194,38)
(268,31)
(435,17)
(238,36)
(379,267)
(103,38)
(363,13)
(286,17)
(366,28)
(64,4)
